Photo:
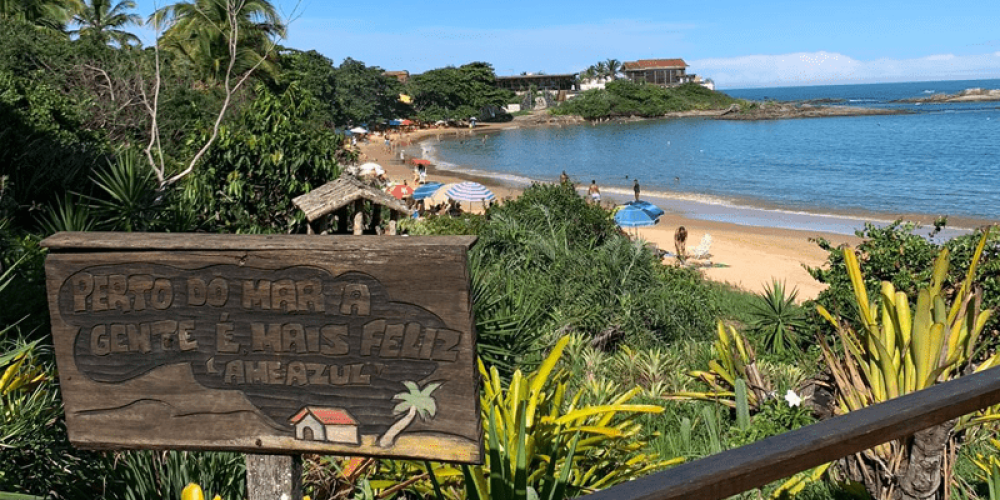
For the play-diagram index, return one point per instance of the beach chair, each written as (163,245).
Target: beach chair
(702,250)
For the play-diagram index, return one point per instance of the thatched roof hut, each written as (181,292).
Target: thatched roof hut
(345,197)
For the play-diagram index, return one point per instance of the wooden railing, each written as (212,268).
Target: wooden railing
(755,465)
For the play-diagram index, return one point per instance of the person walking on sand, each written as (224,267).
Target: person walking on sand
(635,187)
(422,171)
(680,243)
(594,192)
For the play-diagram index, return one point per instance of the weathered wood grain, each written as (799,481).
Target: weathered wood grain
(755,465)
(102,241)
(274,477)
(268,345)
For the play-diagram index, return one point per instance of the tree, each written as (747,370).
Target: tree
(200,33)
(449,93)
(53,14)
(228,22)
(362,94)
(415,402)
(270,154)
(601,69)
(613,66)
(102,21)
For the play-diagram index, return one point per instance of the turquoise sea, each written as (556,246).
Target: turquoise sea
(824,173)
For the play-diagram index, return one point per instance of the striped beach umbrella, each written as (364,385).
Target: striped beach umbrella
(470,191)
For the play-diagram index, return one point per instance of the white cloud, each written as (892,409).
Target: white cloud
(826,68)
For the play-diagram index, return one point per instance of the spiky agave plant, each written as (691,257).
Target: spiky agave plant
(776,318)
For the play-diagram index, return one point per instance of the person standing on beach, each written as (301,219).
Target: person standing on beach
(563,178)
(635,187)
(595,192)
(680,243)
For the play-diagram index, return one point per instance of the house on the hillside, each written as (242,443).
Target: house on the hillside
(663,72)
(403,76)
(326,424)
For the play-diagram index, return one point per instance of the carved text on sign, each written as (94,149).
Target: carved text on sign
(318,336)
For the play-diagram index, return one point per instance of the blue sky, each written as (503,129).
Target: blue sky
(738,44)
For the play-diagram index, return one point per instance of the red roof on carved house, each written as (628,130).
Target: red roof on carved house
(326,416)
(654,63)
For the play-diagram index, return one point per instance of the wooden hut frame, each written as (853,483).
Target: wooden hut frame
(345,198)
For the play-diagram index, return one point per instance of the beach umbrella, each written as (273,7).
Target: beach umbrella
(654,210)
(369,168)
(400,191)
(420,161)
(632,216)
(395,123)
(470,191)
(359,130)
(439,195)
(426,190)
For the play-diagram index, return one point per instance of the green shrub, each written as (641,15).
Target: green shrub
(248,178)
(628,98)
(898,254)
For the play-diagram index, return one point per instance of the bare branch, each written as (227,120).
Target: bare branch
(233,45)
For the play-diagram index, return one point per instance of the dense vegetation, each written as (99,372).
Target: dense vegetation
(629,99)
(608,338)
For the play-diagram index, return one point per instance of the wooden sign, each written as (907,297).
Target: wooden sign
(266,344)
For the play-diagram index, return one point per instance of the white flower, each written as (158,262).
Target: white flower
(792,398)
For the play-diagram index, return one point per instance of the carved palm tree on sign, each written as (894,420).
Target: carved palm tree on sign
(416,402)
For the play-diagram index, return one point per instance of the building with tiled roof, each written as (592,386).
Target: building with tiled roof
(326,424)
(664,72)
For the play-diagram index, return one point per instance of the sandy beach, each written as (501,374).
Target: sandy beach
(747,257)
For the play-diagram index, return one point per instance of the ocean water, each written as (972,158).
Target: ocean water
(823,173)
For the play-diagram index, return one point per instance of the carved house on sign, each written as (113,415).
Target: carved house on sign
(326,424)
(330,207)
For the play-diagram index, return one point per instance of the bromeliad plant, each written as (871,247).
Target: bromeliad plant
(903,348)
(736,361)
(543,444)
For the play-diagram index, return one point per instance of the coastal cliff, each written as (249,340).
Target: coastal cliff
(967,95)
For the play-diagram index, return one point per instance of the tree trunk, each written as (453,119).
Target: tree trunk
(924,475)
(389,438)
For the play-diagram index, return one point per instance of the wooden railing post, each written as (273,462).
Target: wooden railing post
(755,465)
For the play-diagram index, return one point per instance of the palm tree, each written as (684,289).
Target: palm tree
(200,32)
(52,14)
(102,21)
(601,69)
(415,402)
(613,66)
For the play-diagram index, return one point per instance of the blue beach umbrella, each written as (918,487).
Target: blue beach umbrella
(653,210)
(426,190)
(632,216)
(470,191)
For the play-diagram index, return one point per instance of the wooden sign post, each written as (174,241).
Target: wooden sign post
(266,344)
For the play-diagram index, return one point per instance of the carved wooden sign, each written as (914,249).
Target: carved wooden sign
(266,344)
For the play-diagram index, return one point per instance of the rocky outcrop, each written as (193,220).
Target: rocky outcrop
(544,118)
(967,95)
(783,110)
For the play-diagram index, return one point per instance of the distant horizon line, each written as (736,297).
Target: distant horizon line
(840,84)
